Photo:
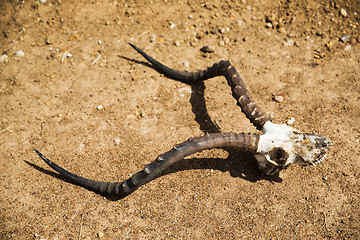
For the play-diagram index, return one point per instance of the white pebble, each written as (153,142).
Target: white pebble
(343,12)
(117,140)
(347,48)
(289,43)
(20,53)
(99,107)
(4,58)
(279,98)
(291,121)
(43,1)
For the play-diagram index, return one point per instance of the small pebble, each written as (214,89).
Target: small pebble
(100,107)
(172,25)
(20,53)
(116,141)
(177,43)
(49,40)
(207,49)
(291,121)
(353,41)
(43,1)
(343,12)
(278,98)
(289,43)
(347,48)
(345,38)
(100,234)
(152,37)
(268,25)
(281,30)
(4,58)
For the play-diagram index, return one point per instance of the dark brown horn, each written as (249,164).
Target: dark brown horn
(242,141)
(222,68)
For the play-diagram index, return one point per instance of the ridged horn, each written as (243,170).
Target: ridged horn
(242,141)
(222,68)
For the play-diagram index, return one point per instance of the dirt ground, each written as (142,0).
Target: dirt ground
(61,60)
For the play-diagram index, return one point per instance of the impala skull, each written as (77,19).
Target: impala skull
(281,145)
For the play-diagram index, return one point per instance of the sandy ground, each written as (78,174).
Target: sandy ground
(75,58)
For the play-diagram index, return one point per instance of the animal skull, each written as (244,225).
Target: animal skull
(281,145)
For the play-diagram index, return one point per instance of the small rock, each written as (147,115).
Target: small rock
(353,41)
(116,141)
(226,40)
(291,121)
(343,12)
(289,43)
(172,25)
(207,49)
(152,37)
(347,48)
(100,234)
(345,38)
(328,45)
(43,1)
(100,107)
(281,30)
(221,43)
(278,98)
(268,25)
(177,43)
(3,58)
(49,40)
(20,53)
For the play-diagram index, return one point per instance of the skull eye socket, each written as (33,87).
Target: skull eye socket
(278,155)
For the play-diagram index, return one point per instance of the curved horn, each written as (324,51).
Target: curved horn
(243,141)
(222,68)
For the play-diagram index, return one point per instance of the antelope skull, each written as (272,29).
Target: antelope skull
(281,145)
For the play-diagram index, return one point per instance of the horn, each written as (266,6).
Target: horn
(242,141)
(223,68)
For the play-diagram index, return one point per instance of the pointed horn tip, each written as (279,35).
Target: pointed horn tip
(42,156)
(133,46)
(36,151)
